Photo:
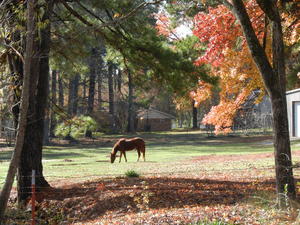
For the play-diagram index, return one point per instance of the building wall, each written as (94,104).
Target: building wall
(264,107)
(154,125)
(291,96)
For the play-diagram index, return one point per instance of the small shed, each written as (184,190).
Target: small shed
(293,108)
(154,120)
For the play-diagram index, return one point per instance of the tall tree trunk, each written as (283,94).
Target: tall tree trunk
(31,158)
(99,88)
(70,96)
(53,102)
(111,97)
(73,95)
(100,73)
(274,80)
(91,97)
(84,90)
(130,125)
(46,136)
(195,115)
(76,88)
(119,80)
(5,192)
(60,91)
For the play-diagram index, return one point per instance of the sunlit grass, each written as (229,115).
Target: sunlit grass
(166,153)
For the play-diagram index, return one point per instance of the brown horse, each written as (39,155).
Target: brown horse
(124,145)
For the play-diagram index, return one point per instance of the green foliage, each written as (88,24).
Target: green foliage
(131,173)
(292,77)
(75,126)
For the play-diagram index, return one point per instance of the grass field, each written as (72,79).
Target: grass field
(166,153)
(187,177)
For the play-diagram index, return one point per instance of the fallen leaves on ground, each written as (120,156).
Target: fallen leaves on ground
(244,196)
(163,200)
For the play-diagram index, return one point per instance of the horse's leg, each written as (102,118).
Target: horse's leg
(125,156)
(120,156)
(144,150)
(139,154)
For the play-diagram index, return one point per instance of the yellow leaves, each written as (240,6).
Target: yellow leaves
(238,78)
(183,103)
(291,28)
(202,93)
(116,15)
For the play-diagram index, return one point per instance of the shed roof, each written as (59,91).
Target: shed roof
(293,91)
(154,114)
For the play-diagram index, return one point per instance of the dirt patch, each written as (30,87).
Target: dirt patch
(238,157)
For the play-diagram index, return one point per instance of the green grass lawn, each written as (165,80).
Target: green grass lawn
(166,153)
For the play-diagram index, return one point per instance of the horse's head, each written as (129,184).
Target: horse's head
(112,157)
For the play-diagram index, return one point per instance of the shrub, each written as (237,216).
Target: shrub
(131,173)
(76,126)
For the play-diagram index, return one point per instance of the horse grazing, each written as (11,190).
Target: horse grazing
(124,145)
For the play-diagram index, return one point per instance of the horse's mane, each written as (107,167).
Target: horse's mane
(114,149)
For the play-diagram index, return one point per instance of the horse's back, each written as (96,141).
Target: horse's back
(138,140)
(134,143)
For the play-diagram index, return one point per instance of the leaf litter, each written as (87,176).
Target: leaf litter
(243,196)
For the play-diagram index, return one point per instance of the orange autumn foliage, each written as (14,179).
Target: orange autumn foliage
(163,24)
(230,61)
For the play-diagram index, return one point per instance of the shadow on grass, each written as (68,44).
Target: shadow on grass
(48,155)
(5,155)
(119,195)
(191,142)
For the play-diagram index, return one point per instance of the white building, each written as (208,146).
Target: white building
(293,108)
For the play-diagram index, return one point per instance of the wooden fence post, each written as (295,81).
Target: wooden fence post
(33,198)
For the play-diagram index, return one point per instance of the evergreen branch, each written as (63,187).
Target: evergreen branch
(114,22)
(76,14)
(89,11)
(3,43)
(119,31)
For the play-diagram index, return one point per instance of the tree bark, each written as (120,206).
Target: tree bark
(70,97)
(111,97)
(75,90)
(118,81)
(130,125)
(100,73)
(73,95)
(60,91)
(53,102)
(31,25)
(274,80)
(32,150)
(99,88)
(195,114)
(46,136)
(92,82)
